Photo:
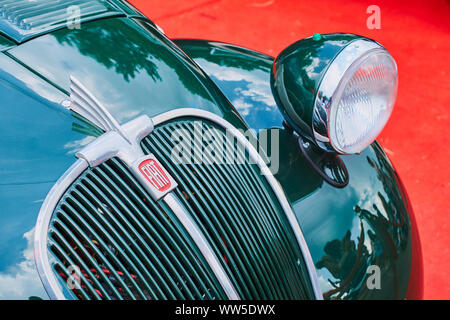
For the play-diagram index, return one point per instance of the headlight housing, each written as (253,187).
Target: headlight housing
(337,90)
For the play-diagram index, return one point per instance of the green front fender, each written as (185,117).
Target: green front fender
(352,232)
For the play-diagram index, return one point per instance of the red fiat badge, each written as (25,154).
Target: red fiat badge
(151,170)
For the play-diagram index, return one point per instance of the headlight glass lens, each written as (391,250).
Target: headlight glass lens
(363,102)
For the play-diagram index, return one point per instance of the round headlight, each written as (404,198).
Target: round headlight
(337,90)
(355,108)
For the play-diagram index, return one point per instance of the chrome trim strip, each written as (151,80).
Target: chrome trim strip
(330,83)
(184,112)
(91,156)
(51,284)
(203,245)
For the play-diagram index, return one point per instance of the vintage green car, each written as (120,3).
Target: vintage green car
(133,166)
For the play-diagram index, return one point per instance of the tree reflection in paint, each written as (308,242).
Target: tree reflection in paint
(121,49)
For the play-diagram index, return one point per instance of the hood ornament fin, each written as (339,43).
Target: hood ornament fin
(85,104)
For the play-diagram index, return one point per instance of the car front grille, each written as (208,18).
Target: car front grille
(108,239)
(126,245)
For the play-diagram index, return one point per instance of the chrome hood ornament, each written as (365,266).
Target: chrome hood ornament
(121,141)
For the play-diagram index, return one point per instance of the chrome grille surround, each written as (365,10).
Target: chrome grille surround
(48,276)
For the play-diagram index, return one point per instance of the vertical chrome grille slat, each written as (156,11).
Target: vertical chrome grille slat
(98,252)
(82,240)
(108,244)
(158,271)
(203,206)
(71,237)
(223,175)
(247,179)
(169,259)
(184,178)
(170,237)
(257,207)
(253,244)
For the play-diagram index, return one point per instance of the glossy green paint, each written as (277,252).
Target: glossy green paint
(297,73)
(347,230)
(350,229)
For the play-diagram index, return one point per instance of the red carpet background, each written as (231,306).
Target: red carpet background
(417,33)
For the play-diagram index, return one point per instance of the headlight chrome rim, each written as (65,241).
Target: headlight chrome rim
(354,53)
